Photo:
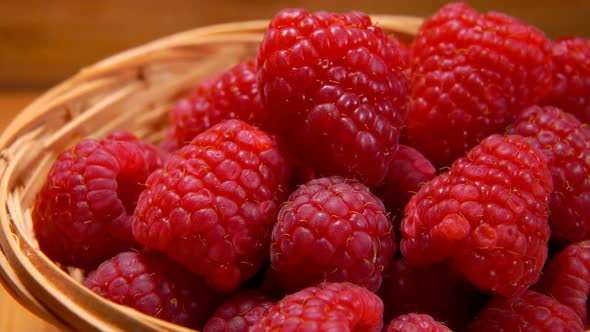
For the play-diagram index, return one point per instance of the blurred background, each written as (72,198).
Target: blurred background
(42,42)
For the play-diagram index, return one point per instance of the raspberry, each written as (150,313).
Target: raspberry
(571,77)
(332,229)
(488,214)
(408,289)
(530,311)
(336,85)
(81,216)
(232,94)
(239,312)
(415,322)
(407,173)
(155,286)
(169,143)
(213,205)
(567,278)
(471,74)
(325,307)
(565,142)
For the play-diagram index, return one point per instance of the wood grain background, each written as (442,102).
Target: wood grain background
(43,42)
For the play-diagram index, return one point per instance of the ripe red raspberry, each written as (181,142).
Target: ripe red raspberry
(565,142)
(488,214)
(325,307)
(567,278)
(530,311)
(571,77)
(155,286)
(232,94)
(471,73)
(213,205)
(332,229)
(82,214)
(336,86)
(431,290)
(240,312)
(407,173)
(415,323)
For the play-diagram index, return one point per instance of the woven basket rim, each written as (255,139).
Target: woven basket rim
(27,273)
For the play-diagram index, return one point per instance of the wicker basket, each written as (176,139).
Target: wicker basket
(133,90)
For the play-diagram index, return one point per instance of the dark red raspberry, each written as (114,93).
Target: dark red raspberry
(154,285)
(82,214)
(337,91)
(407,173)
(232,94)
(213,205)
(332,229)
(431,290)
(530,311)
(567,278)
(415,323)
(565,142)
(571,77)
(240,312)
(471,73)
(488,214)
(271,284)
(325,307)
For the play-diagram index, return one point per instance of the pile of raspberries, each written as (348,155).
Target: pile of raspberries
(344,180)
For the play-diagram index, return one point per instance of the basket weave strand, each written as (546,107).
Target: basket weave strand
(133,90)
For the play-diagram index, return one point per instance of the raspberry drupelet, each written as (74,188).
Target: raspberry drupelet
(213,204)
(337,90)
(488,215)
(415,323)
(239,312)
(530,311)
(565,142)
(471,74)
(325,307)
(232,94)
(82,214)
(570,90)
(332,229)
(155,285)
(567,278)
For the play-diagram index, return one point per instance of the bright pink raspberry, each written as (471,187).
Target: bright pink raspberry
(431,290)
(408,171)
(156,286)
(415,323)
(530,311)
(232,94)
(565,142)
(488,215)
(337,90)
(571,77)
(332,229)
(82,214)
(325,307)
(567,278)
(213,205)
(239,312)
(471,74)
